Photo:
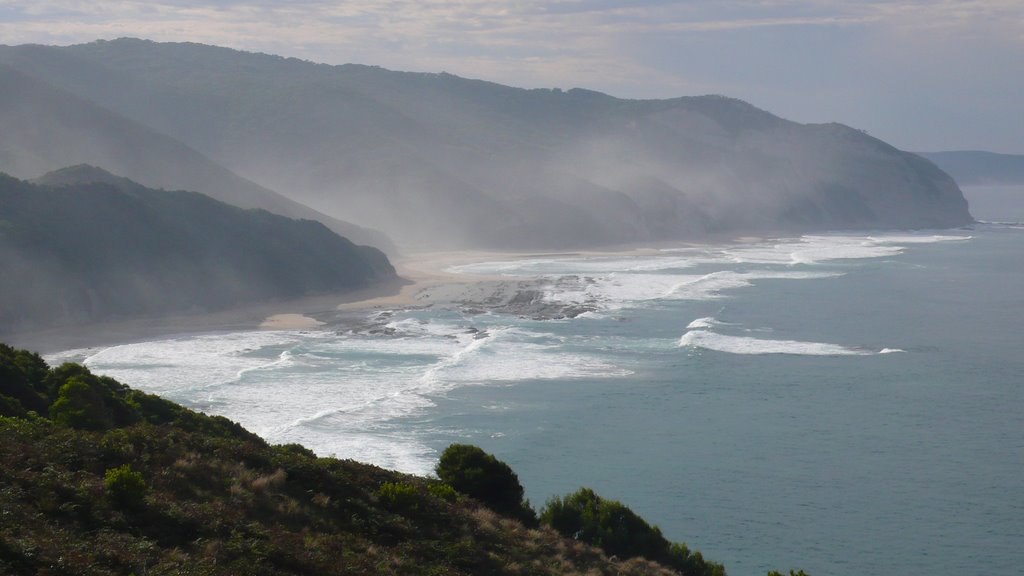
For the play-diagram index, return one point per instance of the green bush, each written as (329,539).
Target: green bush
(11,407)
(619,531)
(399,496)
(606,523)
(125,487)
(21,381)
(80,405)
(85,400)
(443,491)
(475,473)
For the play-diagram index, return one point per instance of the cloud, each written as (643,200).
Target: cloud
(531,42)
(529,29)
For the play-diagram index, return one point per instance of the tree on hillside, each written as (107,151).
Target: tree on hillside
(480,475)
(80,405)
(22,375)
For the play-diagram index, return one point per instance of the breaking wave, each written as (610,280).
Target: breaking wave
(747,345)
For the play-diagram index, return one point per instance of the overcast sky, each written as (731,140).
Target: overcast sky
(922,75)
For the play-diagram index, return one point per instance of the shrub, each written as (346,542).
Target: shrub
(80,405)
(294,449)
(86,401)
(606,523)
(398,496)
(443,491)
(475,473)
(10,407)
(619,531)
(125,487)
(21,381)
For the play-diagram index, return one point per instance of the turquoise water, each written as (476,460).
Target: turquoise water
(845,404)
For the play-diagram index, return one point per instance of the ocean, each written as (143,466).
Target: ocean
(844,403)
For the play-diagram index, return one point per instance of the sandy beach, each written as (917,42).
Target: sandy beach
(424,281)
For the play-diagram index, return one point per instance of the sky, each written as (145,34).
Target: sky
(923,75)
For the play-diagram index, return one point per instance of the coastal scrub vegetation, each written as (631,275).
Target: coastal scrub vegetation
(583,516)
(475,473)
(609,524)
(101,479)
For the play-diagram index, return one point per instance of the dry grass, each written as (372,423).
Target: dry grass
(269,481)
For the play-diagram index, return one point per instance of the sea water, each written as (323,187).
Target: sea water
(842,403)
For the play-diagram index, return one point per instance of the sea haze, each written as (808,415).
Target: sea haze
(846,404)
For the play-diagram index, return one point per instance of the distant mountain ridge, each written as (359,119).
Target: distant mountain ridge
(976,167)
(439,161)
(84,245)
(47,128)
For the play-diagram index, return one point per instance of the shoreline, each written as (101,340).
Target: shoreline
(423,282)
(297,314)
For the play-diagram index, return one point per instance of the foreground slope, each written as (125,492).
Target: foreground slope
(46,128)
(437,160)
(102,479)
(109,248)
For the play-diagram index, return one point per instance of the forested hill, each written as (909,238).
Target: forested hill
(435,160)
(45,128)
(100,247)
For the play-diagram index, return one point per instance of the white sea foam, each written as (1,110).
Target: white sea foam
(705,323)
(807,249)
(811,250)
(617,291)
(434,373)
(816,249)
(1003,224)
(710,286)
(342,394)
(173,367)
(918,239)
(612,283)
(747,345)
(575,265)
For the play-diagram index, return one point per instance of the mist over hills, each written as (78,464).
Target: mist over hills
(46,128)
(84,245)
(975,167)
(439,161)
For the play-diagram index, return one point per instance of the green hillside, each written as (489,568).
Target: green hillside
(108,248)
